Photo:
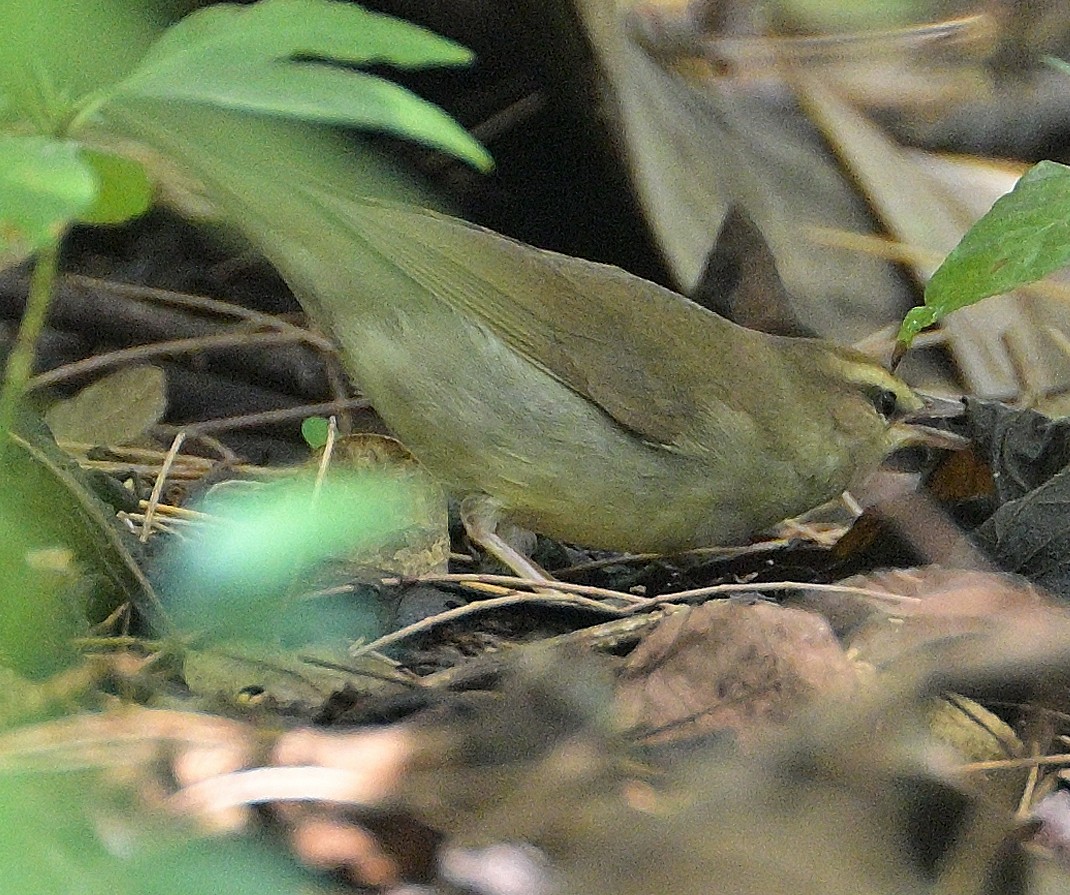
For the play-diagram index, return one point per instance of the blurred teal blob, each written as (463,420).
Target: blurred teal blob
(239,574)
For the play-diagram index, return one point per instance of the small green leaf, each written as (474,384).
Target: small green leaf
(44,185)
(1025,236)
(915,321)
(314,431)
(124,189)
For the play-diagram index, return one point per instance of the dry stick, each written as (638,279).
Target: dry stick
(184,470)
(1028,791)
(183,514)
(532,583)
(200,303)
(157,487)
(700,552)
(638,603)
(767,586)
(269,417)
(450,615)
(160,349)
(643,602)
(325,460)
(1013,764)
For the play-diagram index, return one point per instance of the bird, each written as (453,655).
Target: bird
(588,404)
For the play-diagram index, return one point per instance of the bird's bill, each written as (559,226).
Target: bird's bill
(937,407)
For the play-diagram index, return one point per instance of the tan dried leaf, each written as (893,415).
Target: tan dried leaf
(730,666)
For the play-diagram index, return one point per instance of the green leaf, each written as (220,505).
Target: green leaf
(67,833)
(238,576)
(280,57)
(47,503)
(1023,237)
(313,92)
(50,841)
(44,185)
(314,431)
(233,866)
(124,189)
(227,34)
(54,52)
(41,609)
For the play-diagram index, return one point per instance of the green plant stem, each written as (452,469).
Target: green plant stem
(20,360)
(86,108)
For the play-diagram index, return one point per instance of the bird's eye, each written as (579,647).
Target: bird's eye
(885,402)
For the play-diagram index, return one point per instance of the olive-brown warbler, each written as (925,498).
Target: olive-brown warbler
(589,404)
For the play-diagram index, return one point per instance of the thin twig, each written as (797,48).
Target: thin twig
(199,303)
(269,417)
(515,599)
(157,487)
(153,350)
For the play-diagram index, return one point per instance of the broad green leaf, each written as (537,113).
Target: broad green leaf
(319,93)
(184,144)
(66,833)
(113,410)
(48,504)
(248,865)
(124,190)
(41,609)
(49,841)
(1025,236)
(274,30)
(272,58)
(44,185)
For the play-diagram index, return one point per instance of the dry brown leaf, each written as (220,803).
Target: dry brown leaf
(990,340)
(423,546)
(730,666)
(768,160)
(946,603)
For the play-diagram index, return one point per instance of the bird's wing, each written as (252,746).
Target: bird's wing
(641,352)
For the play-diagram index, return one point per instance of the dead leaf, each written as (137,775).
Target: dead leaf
(115,410)
(730,666)
(422,546)
(768,160)
(290,681)
(938,604)
(1002,345)
(1028,453)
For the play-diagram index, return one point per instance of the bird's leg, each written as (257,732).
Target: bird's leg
(482,516)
